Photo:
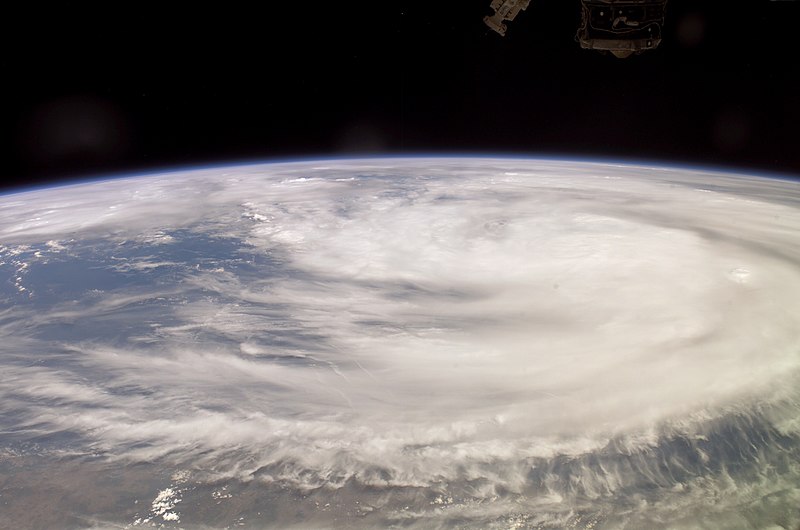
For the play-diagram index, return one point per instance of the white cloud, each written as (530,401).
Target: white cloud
(457,324)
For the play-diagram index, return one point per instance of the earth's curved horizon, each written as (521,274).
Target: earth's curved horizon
(420,342)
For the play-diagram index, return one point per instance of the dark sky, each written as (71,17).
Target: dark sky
(137,85)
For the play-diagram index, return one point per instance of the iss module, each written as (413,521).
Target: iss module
(622,28)
(619,27)
(504,10)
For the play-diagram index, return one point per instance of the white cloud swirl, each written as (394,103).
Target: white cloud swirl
(415,321)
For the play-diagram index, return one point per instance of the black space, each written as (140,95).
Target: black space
(131,86)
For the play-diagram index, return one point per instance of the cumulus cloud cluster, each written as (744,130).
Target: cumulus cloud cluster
(406,322)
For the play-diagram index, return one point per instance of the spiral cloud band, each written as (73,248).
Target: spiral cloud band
(427,343)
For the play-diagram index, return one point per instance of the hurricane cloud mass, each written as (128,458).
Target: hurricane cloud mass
(459,341)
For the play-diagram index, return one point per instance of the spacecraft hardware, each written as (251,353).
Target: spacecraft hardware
(505,10)
(618,27)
